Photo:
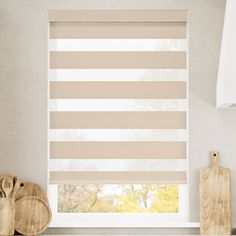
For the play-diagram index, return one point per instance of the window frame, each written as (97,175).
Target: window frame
(120,220)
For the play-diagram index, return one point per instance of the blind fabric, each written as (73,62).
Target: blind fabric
(147,84)
(118,150)
(118,120)
(117,30)
(118,177)
(117,60)
(118,90)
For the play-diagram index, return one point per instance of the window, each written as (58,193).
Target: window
(118,127)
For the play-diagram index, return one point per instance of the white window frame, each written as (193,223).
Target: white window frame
(119,220)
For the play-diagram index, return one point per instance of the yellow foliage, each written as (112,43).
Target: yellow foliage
(146,198)
(167,199)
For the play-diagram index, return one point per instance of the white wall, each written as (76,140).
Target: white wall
(23,84)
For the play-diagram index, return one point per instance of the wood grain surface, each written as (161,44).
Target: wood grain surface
(7,211)
(215,199)
(7,186)
(28,188)
(23,207)
(32,215)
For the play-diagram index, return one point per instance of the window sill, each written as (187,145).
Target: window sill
(72,224)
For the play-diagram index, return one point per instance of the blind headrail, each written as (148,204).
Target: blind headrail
(119,16)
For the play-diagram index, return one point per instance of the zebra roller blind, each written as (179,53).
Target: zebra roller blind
(118,97)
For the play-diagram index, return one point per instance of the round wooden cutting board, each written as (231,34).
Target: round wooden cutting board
(32,215)
(30,189)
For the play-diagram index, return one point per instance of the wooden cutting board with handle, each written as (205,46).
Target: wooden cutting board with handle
(215,199)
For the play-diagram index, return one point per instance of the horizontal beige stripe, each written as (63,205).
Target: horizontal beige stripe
(118,30)
(110,177)
(118,90)
(113,15)
(117,60)
(118,150)
(118,120)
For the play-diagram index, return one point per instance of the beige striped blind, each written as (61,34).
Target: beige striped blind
(118,97)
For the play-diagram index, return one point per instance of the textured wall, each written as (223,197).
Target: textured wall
(23,85)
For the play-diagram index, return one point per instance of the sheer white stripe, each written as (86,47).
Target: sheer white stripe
(117,165)
(117,45)
(117,135)
(117,105)
(117,75)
